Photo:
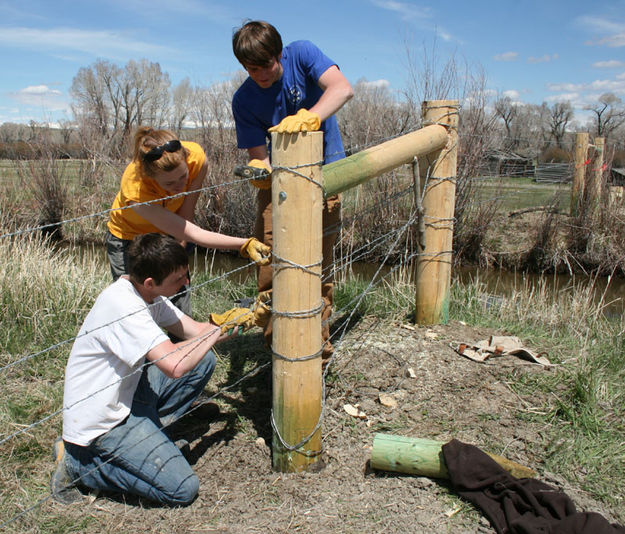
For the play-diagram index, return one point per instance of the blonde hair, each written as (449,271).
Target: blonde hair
(145,140)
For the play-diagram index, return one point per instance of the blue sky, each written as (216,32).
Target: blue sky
(532,51)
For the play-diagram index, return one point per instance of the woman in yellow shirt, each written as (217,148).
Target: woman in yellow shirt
(163,167)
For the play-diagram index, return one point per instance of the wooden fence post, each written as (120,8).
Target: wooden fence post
(577,186)
(595,179)
(438,172)
(297,200)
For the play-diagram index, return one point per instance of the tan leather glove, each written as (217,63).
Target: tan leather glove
(232,319)
(256,251)
(262,183)
(262,310)
(302,121)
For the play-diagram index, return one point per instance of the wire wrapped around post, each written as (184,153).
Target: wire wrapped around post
(438,169)
(297,205)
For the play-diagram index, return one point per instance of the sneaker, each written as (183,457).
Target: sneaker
(61,484)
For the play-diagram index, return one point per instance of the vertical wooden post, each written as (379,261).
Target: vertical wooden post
(438,172)
(297,231)
(577,186)
(597,169)
(594,181)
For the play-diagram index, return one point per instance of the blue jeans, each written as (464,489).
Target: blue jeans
(136,456)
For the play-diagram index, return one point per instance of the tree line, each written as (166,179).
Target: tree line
(108,101)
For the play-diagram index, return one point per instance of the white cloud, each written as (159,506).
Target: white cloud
(406,10)
(412,13)
(612,33)
(512,94)
(610,64)
(376,83)
(38,90)
(543,59)
(40,96)
(564,97)
(506,56)
(600,24)
(613,41)
(570,87)
(103,43)
(584,94)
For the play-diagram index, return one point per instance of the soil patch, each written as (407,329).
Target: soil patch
(448,397)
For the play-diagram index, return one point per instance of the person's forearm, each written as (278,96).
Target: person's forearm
(193,350)
(333,99)
(208,239)
(184,230)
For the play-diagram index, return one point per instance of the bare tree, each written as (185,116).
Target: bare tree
(182,101)
(109,101)
(507,111)
(609,114)
(372,115)
(430,77)
(11,132)
(211,112)
(560,115)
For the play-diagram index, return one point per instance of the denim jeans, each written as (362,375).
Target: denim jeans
(136,456)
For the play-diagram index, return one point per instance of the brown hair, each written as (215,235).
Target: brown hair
(256,43)
(155,256)
(145,140)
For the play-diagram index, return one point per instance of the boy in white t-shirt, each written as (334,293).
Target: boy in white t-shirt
(125,380)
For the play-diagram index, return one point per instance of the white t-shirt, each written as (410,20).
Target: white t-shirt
(105,363)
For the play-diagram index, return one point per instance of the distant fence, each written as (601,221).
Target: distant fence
(553,172)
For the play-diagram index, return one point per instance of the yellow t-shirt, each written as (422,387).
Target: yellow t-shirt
(134,188)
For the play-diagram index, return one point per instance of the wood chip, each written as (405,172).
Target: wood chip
(451,513)
(354,411)
(387,400)
(410,373)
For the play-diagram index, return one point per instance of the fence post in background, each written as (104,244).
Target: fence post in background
(577,186)
(297,200)
(438,173)
(595,180)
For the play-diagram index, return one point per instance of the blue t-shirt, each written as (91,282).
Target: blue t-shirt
(256,109)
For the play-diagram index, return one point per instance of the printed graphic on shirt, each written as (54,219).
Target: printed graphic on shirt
(295,95)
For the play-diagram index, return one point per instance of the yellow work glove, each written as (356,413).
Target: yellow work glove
(256,251)
(302,121)
(262,310)
(263,183)
(233,319)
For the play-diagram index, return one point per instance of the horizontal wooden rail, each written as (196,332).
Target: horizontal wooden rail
(349,172)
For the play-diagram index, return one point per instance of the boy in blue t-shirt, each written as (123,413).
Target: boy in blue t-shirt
(291,89)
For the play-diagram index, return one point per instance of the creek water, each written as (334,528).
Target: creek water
(610,291)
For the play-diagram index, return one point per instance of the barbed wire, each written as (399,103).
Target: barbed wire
(350,308)
(69,340)
(102,213)
(253,372)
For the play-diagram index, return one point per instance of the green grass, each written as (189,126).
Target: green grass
(522,193)
(586,437)
(46,293)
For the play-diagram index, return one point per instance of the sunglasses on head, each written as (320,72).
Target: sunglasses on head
(157,151)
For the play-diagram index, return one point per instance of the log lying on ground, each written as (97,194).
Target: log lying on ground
(424,457)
